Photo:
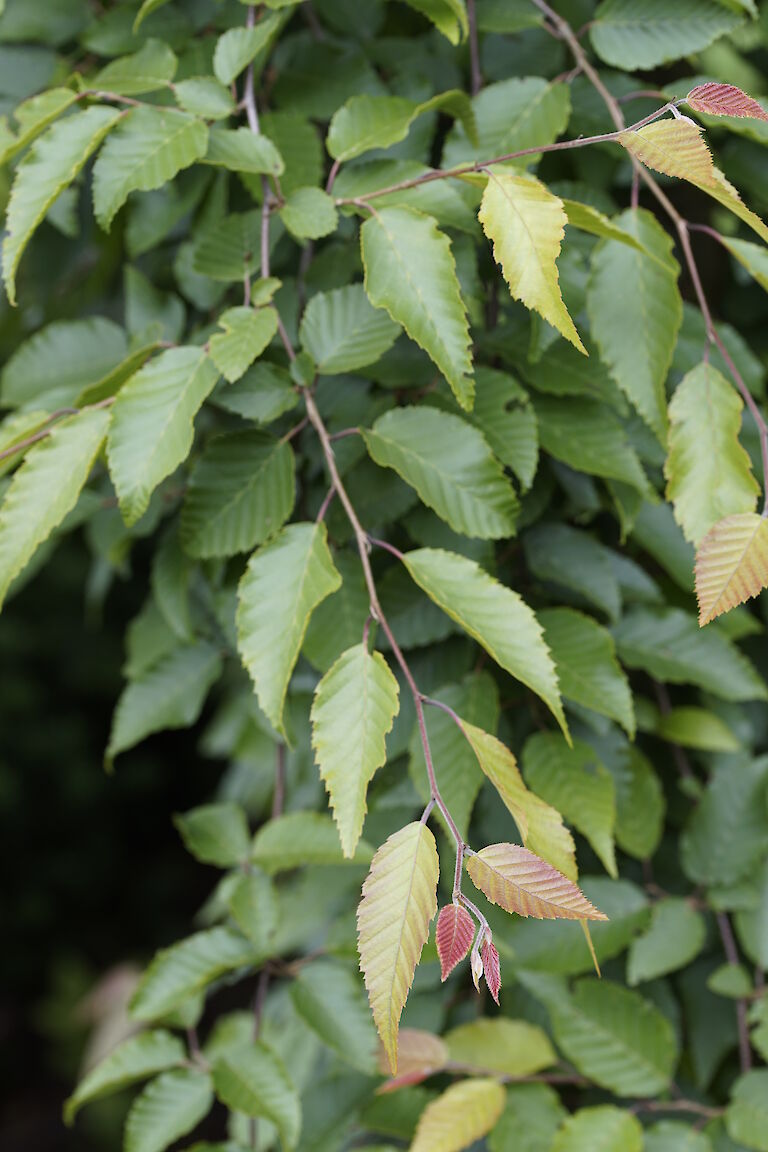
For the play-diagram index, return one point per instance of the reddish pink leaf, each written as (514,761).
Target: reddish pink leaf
(492,968)
(724,100)
(454,932)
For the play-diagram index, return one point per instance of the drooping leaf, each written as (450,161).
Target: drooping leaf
(725,194)
(167,1109)
(588,437)
(708,472)
(464,1113)
(366,122)
(354,706)
(504,414)
(675,147)
(253,1080)
(60,361)
(716,99)
(297,838)
(216,834)
(674,938)
(399,901)
(330,999)
(494,615)
(342,331)
(605,1127)
(136,1058)
(518,881)
(526,224)
(641,34)
(512,1048)
(450,465)
(410,272)
(697,728)
(454,932)
(247,332)
(589,219)
(753,257)
(151,430)
(284,582)
(731,564)
(185,968)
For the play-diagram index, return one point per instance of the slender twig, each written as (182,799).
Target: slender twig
(692,1106)
(325,504)
(732,956)
(474,51)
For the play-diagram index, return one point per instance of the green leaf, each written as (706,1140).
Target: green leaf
(215,834)
(708,472)
(726,835)
(283,583)
(451,467)
(152,67)
(559,554)
(151,430)
(576,784)
(33,116)
(588,219)
(604,1127)
(588,437)
(587,668)
(247,332)
(532,1116)
(205,97)
(697,728)
(366,122)
(330,998)
(526,223)
(731,980)
(264,393)
(340,620)
(511,116)
(657,531)
(672,940)
(50,167)
(493,615)
(510,1047)
(410,271)
(342,332)
(639,800)
(746,1117)
(253,905)
(354,706)
(230,251)
(241,492)
(298,838)
(238,47)
(135,1059)
(669,645)
(504,414)
(46,488)
(240,150)
(641,34)
(753,257)
(60,361)
(147,8)
(167,1109)
(637,339)
(149,147)
(252,1079)
(170,694)
(186,968)
(309,214)
(674,1136)
(448,16)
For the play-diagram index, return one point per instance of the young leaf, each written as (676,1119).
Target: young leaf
(494,615)
(511,1048)
(731,564)
(149,148)
(674,147)
(216,834)
(526,224)
(253,1080)
(46,488)
(282,585)
(451,467)
(51,166)
(518,881)
(135,1059)
(253,905)
(176,973)
(410,272)
(167,1109)
(205,97)
(354,706)
(716,99)
(34,116)
(342,331)
(151,430)
(491,968)
(454,932)
(399,901)
(673,939)
(708,472)
(463,1114)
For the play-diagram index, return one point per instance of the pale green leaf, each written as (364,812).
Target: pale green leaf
(230,251)
(167,1109)
(298,838)
(366,122)
(511,116)
(135,1059)
(639,800)
(753,257)
(204,96)
(59,362)
(33,116)
(588,219)
(449,16)
(152,67)
(186,968)
(641,34)
(330,998)
(238,47)
(747,1115)
(283,583)
(253,905)
(697,728)
(340,620)
(264,393)
(673,939)
(676,1136)
(604,1128)
(731,980)
(247,332)
(216,834)
(240,150)
(510,1047)
(462,1115)
(342,331)
(309,214)
(253,1080)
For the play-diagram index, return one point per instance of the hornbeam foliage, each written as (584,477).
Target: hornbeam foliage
(406,364)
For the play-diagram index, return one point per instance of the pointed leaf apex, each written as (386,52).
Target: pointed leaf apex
(477,970)
(724,100)
(492,968)
(453,936)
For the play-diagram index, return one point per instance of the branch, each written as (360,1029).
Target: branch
(732,956)
(474,52)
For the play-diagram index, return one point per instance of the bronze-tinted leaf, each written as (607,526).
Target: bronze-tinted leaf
(453,936)
(724,100)
(519,881)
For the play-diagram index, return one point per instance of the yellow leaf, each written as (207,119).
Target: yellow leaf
(526,224)
(399,900)
(518,881)
(464,1113)
(731,564)
(674,147)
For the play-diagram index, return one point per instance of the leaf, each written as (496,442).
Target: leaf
(637,340)
(149,147)
(588,438)
(167,1109)
(46,488)
(731,564)
(205,97)
(450,465)
(170,694)
(603,1127)
(448,16)
(284,582)
(726,195)
(746,1117)
(151,430)
(309,214)
(329,998)
(152,67)
(526,224)
(398,903)
(641,34)
(354,706)
(241,491)
(673,939)
(253,1080)
(753,257)
(61,360)
(511,116)
(576,784)
(135,1059)
(574,559)
(529,1122)
(454,932)
(419,1054)
(588,219)
(240,150)
(674,1136)
(262,395)
(297,838)
(726,836)
(493,615)
(518,881)
(697,728)
(511,1048)
(410,272)
(365,122)
(731,980)
(342,331)
(253,905)
(247,332)
(238,47)
(147,8)
(675,147)
(216,834)
(504,414)
(187,967)
(716,99)
(462,1114)
(34,116)
(50,167)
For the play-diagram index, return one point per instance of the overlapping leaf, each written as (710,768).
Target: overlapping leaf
(508,1047)
(731,564)
(674,147)
(167,1109)
(342,331)
(454,933)
(366,122)
(253,1080)
(716,99)
(518,881)
(187,967)
(247,332)
(135,1059)
(297,838)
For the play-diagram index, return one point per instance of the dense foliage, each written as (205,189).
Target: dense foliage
(394,356)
